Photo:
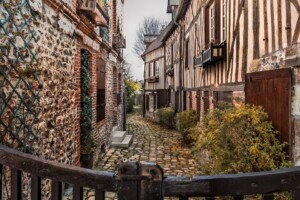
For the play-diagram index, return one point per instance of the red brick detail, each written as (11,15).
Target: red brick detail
(93,93)
(194,100)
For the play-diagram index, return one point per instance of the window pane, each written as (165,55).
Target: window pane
(100,106)
(156,68)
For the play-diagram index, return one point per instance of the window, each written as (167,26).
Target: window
(156,68)
(100,106)
(151,69)
(187,46)
(151,103)
(215,22)
(172,55)
(212,24)
(223,20)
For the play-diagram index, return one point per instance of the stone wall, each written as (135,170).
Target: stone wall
(49,85)
(57,102)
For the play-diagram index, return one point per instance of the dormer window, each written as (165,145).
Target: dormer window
(215,22)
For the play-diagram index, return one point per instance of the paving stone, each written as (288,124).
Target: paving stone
(151,143)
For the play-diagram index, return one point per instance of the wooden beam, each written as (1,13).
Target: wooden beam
(57,171)
(266,35)
(272,25)
(245,42)
(279,12)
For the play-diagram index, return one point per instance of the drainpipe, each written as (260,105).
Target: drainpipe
(144,99)
(124,96)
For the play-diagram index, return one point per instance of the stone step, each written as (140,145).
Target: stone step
(114,129)
(125,143)
(118,136)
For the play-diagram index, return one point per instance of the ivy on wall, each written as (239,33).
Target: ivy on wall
(86,114)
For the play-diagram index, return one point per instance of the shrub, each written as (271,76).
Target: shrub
(239,140)
(187,121)
(166,116)
(130,104)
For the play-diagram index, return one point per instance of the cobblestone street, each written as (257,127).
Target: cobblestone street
(152,143)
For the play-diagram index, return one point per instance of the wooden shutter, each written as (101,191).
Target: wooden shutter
(101,103)
(206,101)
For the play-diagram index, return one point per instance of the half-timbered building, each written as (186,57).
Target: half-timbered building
(227,50)
(155,83)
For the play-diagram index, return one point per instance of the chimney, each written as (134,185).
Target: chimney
(148,39)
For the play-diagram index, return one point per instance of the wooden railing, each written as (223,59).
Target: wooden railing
(142,181)
(58,173)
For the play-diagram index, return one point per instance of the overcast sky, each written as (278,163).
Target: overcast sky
(134,13)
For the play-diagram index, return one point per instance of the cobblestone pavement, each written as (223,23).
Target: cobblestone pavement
(151,143)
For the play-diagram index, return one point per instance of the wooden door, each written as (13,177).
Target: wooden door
(272,90)
(206,101)
(162,98)
(198,103)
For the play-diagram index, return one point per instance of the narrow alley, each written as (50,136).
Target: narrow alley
(152,143)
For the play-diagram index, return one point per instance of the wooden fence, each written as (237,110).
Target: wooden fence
(142,181)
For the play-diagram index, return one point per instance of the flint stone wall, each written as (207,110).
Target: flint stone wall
(57,98)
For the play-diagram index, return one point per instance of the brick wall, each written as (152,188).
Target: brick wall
(194,100)
(113,114)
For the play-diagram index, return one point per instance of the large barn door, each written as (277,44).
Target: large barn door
(272,90)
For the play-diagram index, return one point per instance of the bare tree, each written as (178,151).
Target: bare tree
(149,26)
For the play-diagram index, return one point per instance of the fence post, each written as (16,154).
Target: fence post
(151,182)
(1,180)
(127,175)
(295,194)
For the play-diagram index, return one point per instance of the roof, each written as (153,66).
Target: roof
(183,6)
(157,43)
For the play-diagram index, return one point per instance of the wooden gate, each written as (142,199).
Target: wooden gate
(272,90)
(136,181)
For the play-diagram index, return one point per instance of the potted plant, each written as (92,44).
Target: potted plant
(87,151)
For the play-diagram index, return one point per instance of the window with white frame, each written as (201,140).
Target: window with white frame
(151,69)
(212,24)
(223,20)
(157,68)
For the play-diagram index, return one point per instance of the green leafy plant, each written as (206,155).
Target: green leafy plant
(131,88)
(87,142)
(238,140)
(166,116)
(187,121)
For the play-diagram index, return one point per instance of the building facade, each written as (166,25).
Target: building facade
(47,46)
(221,50)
